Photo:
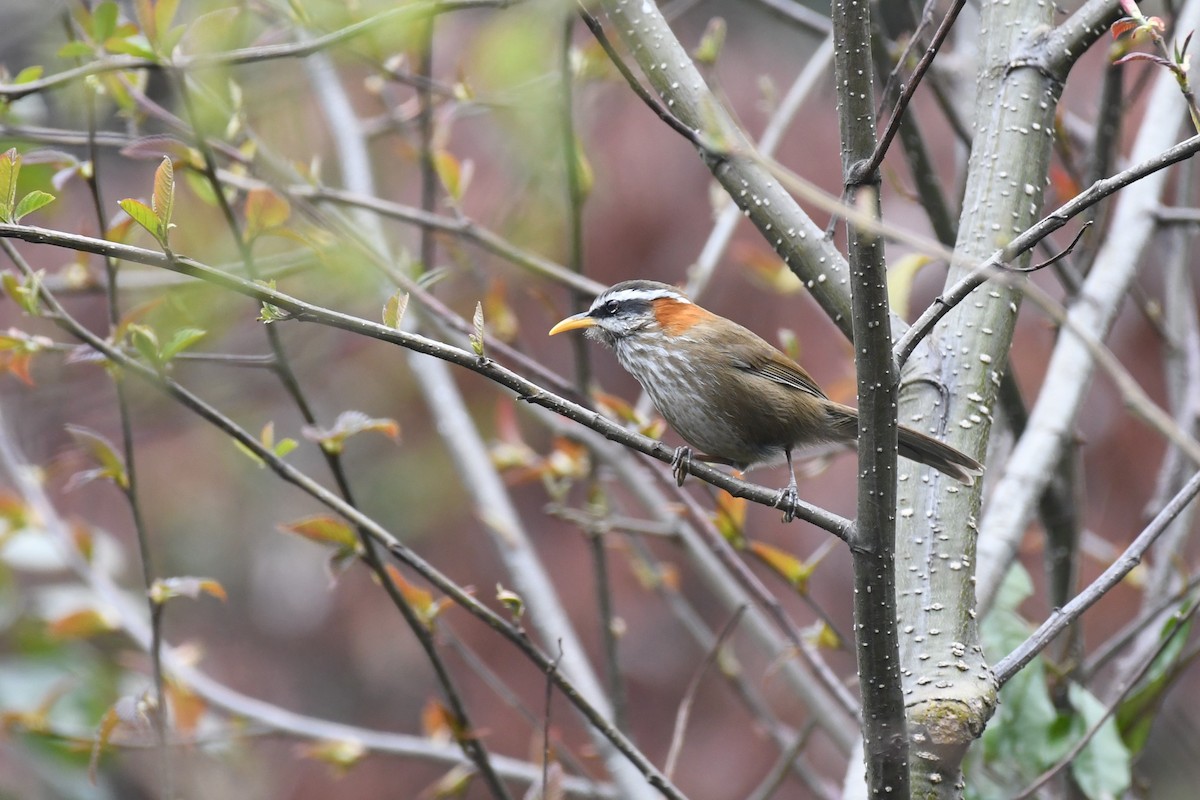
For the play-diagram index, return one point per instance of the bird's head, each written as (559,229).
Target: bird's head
(635,308)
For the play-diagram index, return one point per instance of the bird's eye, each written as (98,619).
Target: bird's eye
(612,306)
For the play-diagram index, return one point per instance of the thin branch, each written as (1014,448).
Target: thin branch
(893,124)
(1012,663)
(672,121)
(527,390)
(684,712)
(1069,757)
(1034,234)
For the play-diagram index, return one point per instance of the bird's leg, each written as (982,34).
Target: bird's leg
(788,497)
(681,462)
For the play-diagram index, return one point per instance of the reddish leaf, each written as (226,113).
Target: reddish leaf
(730,518)
(82,624)
(323,530)
(1123,26)
(265,211)
(349,423)
(187,708)
(792,569)
(165,589)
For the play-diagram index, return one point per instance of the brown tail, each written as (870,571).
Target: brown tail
(916,446)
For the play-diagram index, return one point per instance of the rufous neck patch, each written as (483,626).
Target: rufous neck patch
(675,317)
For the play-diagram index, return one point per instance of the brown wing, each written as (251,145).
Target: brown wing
(778,368)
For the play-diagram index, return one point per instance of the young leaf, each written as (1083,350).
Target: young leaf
(711,44)
(142,214)
(792,569)
(323,529)
(349,423)
(730,518)
(103,452)
(165,589)
(421,600)
(145,341)
(10,168)
(32,202)
(512,601)
(182,340)
(104,21)
(900,279)
(82,624)
(163,200)
(75,49)
(338,754)
(476,338)
(265,211)
(455,176)
(393,309)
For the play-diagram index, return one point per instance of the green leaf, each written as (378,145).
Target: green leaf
(142,214)
(711,44)
(29,74)
(75,49)
(164,15)
(145,341)
(512,601)
(200,187)
(137,46)
(104,21)
(10,168)
(25,293)
(1135,715)
(32,202)
(182,340)
(1102,768)
(102,451)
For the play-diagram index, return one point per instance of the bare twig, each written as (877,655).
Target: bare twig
(1034,234)
(689,695)
(914,80)
(1012,663)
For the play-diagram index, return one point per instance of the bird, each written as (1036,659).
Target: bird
(734,398)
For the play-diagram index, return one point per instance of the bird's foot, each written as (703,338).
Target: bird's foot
(787,499)
(681,462)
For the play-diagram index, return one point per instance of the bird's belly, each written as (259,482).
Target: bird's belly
(695,406)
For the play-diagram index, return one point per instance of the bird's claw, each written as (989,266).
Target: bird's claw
(681,462)
(787,499)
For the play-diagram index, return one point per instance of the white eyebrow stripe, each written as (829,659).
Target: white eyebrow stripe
(639,294)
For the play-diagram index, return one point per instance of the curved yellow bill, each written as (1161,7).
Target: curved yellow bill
(574,322)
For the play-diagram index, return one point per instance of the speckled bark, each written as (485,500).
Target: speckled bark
(949,689)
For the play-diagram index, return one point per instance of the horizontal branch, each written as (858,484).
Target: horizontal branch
(525,389)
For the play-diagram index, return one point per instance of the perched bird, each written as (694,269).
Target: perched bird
(725,390)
